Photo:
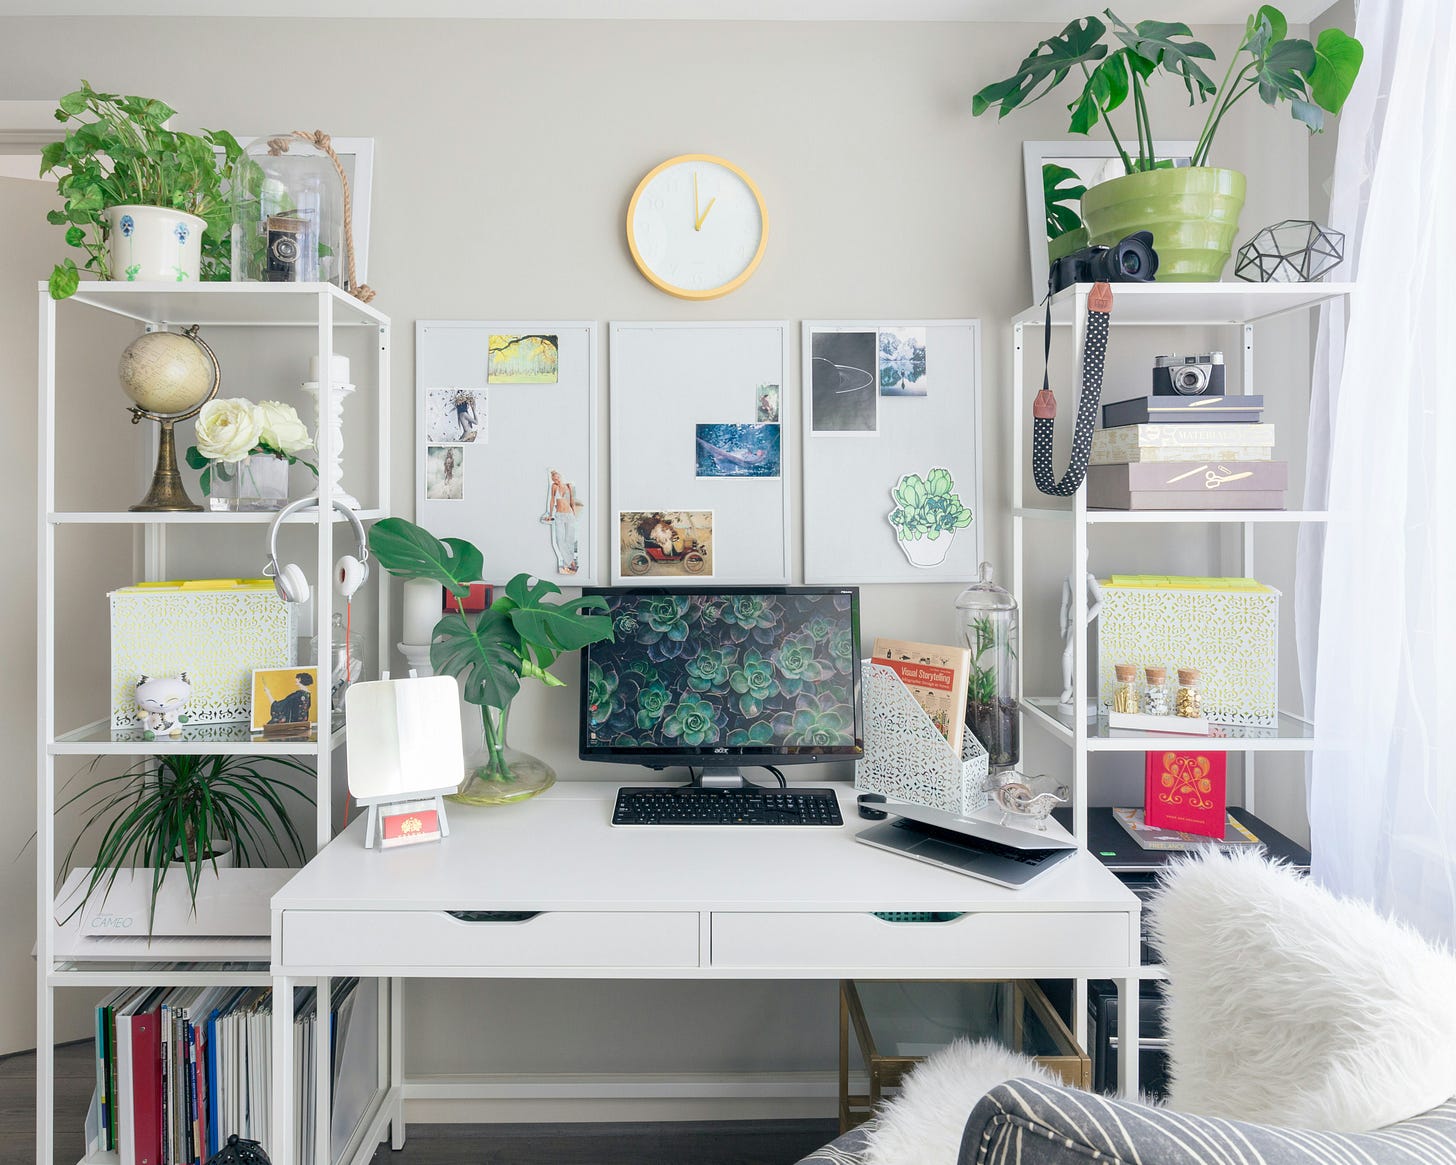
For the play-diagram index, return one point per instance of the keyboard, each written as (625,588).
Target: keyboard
(689,805)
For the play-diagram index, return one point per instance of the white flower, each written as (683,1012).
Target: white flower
(281,427)
(228,430)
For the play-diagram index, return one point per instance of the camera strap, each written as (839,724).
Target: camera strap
(1044,408)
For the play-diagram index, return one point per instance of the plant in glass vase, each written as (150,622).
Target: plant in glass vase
(518,637)
(244,451)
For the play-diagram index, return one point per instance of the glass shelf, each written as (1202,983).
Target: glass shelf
(1294,734)
(99,739)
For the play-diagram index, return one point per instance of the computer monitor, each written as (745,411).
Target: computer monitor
(724,678)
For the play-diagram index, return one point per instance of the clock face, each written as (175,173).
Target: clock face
(697,226)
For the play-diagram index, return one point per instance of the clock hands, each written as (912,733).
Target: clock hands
(697,217)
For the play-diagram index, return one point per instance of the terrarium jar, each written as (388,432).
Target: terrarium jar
(288,214)
(987,618)
(496,773)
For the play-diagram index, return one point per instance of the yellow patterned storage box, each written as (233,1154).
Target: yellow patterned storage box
(1228,628)
(217,630)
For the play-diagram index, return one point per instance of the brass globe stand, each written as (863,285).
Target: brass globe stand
(167,494)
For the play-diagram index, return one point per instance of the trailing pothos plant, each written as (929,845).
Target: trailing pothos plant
(518,637)
(118,152)
(175,810)
(1115,61)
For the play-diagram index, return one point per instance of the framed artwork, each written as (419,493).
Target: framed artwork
(285,697)
(1056,175)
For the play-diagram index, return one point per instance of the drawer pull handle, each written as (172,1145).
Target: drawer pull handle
(919,915)
(493,915)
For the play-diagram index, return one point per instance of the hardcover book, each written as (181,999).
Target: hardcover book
(1235,835)
(1145,410)
(1186,791)
(936,676)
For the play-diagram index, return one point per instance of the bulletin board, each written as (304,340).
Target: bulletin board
(499,406)
(884,399)
(701,448)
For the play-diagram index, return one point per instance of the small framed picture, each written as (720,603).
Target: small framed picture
(285,699)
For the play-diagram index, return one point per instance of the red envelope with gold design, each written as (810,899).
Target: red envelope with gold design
(1187,791)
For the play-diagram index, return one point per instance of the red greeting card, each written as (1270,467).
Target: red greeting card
(409,827)
(1187,791)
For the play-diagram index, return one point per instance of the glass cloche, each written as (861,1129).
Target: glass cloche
(988,625)
(288,214)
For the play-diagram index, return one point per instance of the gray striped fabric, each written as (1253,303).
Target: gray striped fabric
(1026,1122)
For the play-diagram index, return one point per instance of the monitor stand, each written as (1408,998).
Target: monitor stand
(722,778)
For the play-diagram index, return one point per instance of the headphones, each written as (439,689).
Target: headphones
(350,572)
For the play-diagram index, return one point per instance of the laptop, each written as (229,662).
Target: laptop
(977,846)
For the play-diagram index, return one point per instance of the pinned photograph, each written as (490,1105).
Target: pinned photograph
(738,450)
(521,360)
(445,473)
(844,398)
(563,509)
(768,403)
(284,699)
(666,543)
(902,362)
(456,415)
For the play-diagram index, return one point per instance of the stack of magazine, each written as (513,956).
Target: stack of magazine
(1235,835)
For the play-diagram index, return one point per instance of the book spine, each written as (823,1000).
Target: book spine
(147,1084)
(103,1106)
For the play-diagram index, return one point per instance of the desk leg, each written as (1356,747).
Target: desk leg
(281,1148)
(396,1061)
(323,1071)
(1129,1013)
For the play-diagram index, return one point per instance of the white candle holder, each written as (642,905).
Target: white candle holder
(334,409)
(417,655)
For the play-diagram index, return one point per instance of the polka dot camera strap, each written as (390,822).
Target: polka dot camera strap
(1044,409)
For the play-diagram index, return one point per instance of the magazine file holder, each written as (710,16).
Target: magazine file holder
(907,759)
(404,745)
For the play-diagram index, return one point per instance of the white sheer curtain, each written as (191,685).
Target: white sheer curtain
(1382,793)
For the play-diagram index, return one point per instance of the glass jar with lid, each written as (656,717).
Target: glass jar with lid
(1189,700)
(988,625)
(288,214)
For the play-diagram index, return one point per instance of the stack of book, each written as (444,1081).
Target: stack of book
(1161,452)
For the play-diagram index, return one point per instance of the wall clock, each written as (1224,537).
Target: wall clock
(697,226)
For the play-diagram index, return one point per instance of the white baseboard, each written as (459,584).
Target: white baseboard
(493,1099)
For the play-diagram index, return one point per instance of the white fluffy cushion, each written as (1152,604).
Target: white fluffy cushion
(1289,1006)
(924,1123)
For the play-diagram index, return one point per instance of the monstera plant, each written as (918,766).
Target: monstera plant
(518,637)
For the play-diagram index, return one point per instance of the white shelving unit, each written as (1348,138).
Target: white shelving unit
(315,313)
(1235,305)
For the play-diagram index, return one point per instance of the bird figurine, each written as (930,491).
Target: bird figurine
(1020,800)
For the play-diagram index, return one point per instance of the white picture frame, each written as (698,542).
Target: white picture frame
(1089,159)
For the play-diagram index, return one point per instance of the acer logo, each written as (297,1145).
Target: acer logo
(720,750)
(112,922)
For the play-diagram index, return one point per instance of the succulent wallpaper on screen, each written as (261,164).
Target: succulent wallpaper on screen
(695,671)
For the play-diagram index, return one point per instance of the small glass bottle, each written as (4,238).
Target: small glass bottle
(346,664)
(1189,701)
(1155,695)
(1124,692)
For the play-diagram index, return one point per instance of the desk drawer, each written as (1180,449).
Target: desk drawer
(1019,943)
(427,938)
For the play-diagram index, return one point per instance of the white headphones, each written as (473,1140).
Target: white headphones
(350,572)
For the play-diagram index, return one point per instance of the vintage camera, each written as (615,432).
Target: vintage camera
(1188,375)
(1131,261)
(292,249)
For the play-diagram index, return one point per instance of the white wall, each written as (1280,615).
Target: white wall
(505,156)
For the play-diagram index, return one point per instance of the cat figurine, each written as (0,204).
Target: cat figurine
(159,704)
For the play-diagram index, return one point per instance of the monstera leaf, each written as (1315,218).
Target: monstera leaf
(407,551)
(1153,41)
(1337,61)
(483,654)
(1047,66)
(545,629)
(1062,192)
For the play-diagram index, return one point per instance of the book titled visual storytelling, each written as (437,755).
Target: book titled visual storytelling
(936,676)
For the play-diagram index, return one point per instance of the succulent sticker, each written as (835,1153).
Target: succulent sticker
(927,513)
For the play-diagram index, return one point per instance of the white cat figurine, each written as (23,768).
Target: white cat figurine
(159,704)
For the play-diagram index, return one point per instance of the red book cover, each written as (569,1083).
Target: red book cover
(1187,791)
(146,1068)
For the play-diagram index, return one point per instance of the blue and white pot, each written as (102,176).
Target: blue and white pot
(155,244)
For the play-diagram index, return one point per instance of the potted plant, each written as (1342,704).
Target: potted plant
(181,814)
(519,636)
(141,200)
(244,451)
(1193,211)
(926,508)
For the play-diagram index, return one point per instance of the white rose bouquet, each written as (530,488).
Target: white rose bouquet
(232,430)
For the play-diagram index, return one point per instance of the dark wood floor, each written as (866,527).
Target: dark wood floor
(706,1143)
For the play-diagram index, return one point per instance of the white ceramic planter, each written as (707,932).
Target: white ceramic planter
(925,551)
(154,243)
(222,855)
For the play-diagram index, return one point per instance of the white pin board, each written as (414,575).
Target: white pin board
(482,471)
(689,446)
(924,414)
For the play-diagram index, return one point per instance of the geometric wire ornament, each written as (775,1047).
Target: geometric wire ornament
(1293,251)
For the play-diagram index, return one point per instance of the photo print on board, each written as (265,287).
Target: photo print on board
(445,472)
(563,509)
(665,543)
(738,450)
(456,416)
(844,398)
(767,403)
(902,362)
(529,359)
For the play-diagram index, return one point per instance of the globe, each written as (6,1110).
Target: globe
(167,373)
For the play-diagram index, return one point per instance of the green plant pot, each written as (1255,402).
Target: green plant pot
(1193,212)
(1073,240)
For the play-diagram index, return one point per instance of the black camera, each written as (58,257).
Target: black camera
(292,249)
(1200,375)
(1131,261)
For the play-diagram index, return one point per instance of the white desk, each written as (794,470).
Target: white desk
(665,902)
